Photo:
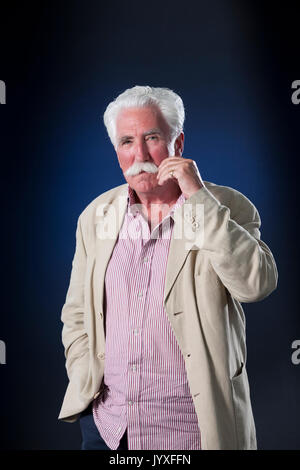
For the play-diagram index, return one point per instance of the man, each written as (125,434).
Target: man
(154,330)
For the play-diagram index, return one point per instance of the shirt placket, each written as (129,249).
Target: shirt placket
(137,311)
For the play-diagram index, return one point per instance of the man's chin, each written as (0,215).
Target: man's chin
(143,185)
(143,181)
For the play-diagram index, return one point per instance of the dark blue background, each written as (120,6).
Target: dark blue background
(233,63)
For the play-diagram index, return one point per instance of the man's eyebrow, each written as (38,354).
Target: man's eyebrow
(125,137)
(153,131)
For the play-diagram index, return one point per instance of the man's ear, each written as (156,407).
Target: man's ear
(179,144)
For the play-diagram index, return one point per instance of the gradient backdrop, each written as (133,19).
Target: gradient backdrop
(233,64)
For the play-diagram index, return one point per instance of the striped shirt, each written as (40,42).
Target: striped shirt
(145,381)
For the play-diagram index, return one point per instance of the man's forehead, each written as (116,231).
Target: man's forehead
(152,130)
(148,119)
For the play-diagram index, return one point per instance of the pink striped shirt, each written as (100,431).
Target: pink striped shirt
(145,382)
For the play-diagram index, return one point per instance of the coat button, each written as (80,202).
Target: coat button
(101,314)
(101,355)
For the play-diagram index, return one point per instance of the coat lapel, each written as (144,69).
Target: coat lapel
(109,219)
(180,246)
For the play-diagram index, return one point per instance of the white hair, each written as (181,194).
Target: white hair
(169,103)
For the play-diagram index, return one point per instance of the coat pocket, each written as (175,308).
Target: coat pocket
(242,409)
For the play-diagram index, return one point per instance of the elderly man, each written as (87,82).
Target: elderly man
(153,327)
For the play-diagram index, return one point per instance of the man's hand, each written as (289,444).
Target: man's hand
(185,171)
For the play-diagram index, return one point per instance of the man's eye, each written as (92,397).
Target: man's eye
(152,137)
(126,142)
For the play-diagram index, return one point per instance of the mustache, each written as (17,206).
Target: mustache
(137,167)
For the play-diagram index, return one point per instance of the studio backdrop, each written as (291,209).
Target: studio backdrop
(235,65)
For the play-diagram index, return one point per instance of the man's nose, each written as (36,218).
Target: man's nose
(141,152)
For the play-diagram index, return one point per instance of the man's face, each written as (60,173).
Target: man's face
(142,136)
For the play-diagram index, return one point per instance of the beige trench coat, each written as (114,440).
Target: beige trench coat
(207,278)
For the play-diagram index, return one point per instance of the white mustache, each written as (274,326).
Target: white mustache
(137,167)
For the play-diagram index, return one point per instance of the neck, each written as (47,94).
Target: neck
(167,194)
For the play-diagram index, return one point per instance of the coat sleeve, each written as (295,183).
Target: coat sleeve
(231,237)
(74,336)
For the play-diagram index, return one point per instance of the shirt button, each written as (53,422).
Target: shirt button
(130,403)
(146,259)
(136,332)
(119,428)
(134,367)
(140,294)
